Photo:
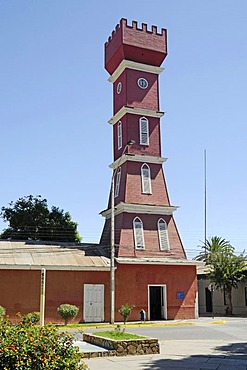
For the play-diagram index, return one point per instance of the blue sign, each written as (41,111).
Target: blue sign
(180,295)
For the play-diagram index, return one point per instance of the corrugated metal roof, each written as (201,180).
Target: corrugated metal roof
(36,255)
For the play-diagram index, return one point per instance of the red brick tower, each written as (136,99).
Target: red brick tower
(144,223)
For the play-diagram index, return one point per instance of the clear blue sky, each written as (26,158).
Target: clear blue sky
(55,102)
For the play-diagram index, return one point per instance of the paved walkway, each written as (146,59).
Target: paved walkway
(177,354)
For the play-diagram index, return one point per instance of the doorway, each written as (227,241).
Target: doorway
(209,303)
(93,302)
(157,302)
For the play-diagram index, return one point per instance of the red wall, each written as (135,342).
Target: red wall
(131,131)
(132,95)
(20,290)
(133,280)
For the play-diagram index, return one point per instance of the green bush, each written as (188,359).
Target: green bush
(2,311)
(29,347)
(30,318)
(125,310)
(67,312)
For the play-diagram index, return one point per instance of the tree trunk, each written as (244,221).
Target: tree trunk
(228,290)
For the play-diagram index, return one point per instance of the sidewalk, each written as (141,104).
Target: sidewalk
(175,355)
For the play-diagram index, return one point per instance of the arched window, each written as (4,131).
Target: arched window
(146,179)
(138,233)
(144,131)
(117,186)
(119,135)
(163,235)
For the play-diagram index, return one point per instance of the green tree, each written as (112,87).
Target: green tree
(226,268)
(67,311)
(125,311)
(30,218)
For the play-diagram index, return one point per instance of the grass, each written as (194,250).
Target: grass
(118,335)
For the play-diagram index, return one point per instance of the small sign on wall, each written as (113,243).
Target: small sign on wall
(180,295)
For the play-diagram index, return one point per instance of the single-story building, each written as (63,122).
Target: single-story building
(80,274)
(214,301)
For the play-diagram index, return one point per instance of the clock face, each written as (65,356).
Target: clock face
(142,83)
(119,87)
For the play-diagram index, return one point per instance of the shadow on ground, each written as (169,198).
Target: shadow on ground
(232,356)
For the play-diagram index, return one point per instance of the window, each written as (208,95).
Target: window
(144,131)
(146,179)
(119,87)
(138,233)
(245,293)
(163,235)
(117,186)
(142,83)
(119,135)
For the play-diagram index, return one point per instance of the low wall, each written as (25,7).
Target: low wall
(145,346)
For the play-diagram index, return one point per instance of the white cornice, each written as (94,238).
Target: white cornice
(132,110)
(156,261)
(137,158)
(139,208)
(133,65)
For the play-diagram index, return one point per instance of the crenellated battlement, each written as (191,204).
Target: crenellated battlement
(144,27)
(138,44)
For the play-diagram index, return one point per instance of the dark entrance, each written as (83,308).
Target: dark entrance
(156,302)
(209,304)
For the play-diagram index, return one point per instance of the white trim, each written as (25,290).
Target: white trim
(156,261)
(118,179)
(139,208)
(119,87)
(144,131)
(139,242)
(132,110)
(133,65)
(139,84)
(164,309)
(146,179)
(137,158)
(54,267)
(119,135)
(163,235)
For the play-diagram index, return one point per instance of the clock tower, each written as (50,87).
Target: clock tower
(144,222)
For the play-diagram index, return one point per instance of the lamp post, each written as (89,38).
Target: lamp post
(112,260)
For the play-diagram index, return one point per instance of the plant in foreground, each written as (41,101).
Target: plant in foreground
(2,312)
(26,346)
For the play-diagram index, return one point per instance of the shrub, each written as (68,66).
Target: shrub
(29,347)
(30,318)
(125,311)
(2,311)
(67,312)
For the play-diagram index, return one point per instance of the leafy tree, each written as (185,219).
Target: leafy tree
(30,218)
(67,311)
(125,311)
(226,269)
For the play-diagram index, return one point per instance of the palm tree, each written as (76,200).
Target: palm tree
(226,269)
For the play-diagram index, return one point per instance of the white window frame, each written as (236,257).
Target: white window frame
(119,87)
(139,83)
(138,233)
(144,131)
(146,179)
(119,135)
(117,185)
(163,235)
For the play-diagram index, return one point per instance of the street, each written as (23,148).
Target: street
(206,343)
